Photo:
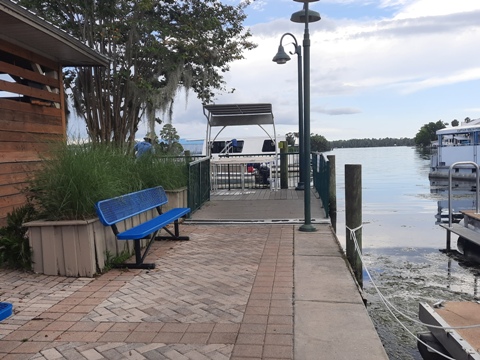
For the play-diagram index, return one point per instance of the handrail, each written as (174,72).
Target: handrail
(450,187)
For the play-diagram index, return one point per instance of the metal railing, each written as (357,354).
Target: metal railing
(254,176)
(198,183)
(450,192)
(321,179)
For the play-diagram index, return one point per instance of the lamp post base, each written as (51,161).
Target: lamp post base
(307,228)
(300,186)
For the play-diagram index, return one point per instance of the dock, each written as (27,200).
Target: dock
(248,285)
(459,343)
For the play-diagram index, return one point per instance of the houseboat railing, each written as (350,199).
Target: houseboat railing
(227,176)
(477,178)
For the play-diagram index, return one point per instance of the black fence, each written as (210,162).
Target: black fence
(198,183)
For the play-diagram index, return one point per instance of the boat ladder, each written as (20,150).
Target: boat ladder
(462,229)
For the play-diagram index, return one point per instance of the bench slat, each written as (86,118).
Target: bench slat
(113,210)
(145,229)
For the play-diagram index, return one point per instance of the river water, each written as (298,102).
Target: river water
(402,242)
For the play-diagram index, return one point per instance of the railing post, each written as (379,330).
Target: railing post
(283,145)
(353,218)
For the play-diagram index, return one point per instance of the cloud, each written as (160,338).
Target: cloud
(335,111)
(420,47)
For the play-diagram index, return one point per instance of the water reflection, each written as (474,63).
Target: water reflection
(463,198)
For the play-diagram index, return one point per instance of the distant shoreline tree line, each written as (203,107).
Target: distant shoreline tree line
(319,143)
(383,142)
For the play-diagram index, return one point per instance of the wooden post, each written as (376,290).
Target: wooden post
(283,145)
(332,192)
(353,217)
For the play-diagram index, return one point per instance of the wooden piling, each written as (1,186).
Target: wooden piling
(332,192)
(353,217)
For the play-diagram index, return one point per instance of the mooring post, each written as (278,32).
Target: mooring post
(449,235)
(332,191)
(353,218)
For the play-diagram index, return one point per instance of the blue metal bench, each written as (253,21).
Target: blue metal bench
(112,211)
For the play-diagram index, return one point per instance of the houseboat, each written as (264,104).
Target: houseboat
(456,144)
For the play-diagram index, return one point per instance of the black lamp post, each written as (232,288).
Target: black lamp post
(281,58)
(305,16)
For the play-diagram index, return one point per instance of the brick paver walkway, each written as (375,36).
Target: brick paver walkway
(225,294)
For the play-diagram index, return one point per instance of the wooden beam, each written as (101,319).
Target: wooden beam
(28,91)
(28,74)
(27,54)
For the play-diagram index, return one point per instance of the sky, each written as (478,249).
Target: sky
(379,68)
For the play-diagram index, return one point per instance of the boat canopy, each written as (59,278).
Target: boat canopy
(223,115)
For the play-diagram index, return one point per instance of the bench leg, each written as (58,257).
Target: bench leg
(173,236)
(139,264)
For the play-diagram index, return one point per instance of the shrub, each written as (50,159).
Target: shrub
(14,247)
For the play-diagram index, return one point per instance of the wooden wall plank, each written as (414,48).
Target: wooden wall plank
(7,104)
(28,146)
(30,127)
(27,54)
(29,91)
(12,181)
(17,136)
(19,157)
(14,168)
(22,116)
(28,74)
(11,200)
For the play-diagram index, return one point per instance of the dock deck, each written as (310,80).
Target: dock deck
(255,289)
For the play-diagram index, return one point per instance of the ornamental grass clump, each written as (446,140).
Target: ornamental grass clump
(74,177)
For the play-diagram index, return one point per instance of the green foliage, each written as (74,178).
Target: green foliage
(170,138)
(115,261)
(290,137)
(155,47)
(319,143)
(75,177)
(427,133)
(14,247)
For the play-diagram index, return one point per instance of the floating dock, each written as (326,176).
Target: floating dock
(445,334)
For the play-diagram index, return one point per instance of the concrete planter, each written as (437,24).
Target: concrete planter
(79,247)
(176,198)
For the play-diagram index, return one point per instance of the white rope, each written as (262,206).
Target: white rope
(353,236)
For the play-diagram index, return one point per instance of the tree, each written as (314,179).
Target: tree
(319,143)
(427,133)
(155,47)
(467,120)
(455,122)
(290,138)
(170,137)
